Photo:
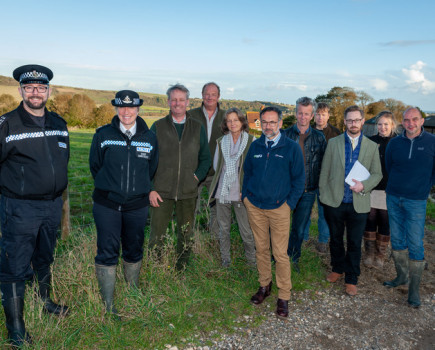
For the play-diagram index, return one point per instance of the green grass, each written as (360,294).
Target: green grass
(168,308)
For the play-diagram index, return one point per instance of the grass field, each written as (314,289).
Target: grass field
(168,308)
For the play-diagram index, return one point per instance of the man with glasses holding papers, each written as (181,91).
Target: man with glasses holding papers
(347,203)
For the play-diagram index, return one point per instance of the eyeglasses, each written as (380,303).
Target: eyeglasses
(29,89)
(272,124)
(353,121)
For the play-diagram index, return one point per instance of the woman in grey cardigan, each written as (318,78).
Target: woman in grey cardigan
(226,185)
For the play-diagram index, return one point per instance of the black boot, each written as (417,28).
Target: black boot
(44,284)
(132,272)
(416,268)
(13,305)
(106,277)
(400,258)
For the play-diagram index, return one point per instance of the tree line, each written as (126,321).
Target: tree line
(81,111)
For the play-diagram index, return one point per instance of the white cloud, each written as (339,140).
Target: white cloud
(417,80)
(379,84)
(285,85)
(230,90)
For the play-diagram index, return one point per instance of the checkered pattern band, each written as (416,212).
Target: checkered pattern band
(141,144)
(113,143)
(136,102)
(34,75)
(34,135)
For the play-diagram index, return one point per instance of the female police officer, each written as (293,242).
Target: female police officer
(123,159)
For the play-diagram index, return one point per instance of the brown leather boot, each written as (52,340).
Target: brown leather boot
(369,247)
(382,242)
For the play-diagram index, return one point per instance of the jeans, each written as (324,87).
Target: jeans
(322,225)
(407,218)
(301,215)
(346,261)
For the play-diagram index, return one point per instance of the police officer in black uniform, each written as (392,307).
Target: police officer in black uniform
(123,159)
(34,154)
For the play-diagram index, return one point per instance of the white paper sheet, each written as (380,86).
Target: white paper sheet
(358,172)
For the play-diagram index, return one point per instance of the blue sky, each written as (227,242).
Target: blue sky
(255,50)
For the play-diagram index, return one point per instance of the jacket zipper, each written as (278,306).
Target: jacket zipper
(51,161)
(22,179)
(410,149)
(179,156)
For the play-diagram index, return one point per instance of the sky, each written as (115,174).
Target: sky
(255,50)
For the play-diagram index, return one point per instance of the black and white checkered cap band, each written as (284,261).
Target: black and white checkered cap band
(136,101)
(34,76)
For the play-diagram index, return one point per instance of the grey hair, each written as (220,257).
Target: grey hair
(180,87)
(211,83)
(306,101)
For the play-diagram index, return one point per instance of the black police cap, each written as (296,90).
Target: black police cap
(33,74)
(127,98)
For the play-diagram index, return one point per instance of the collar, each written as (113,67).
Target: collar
(132,129)
(182,122)
(406,137)
(306,132)
(275,139)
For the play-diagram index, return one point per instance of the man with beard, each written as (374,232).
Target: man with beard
(348,205)
(273,182)
(34,154)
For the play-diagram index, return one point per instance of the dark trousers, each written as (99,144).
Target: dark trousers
(116,228)
(377,221)
(160,217)
(29,234)
(346,261)
(300,219)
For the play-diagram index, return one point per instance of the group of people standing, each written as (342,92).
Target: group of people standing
(166,167)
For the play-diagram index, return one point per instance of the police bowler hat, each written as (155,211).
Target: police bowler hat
(127,98)
(33,74)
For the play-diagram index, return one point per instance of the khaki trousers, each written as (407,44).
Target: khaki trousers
(272,225)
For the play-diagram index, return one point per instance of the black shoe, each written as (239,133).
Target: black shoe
(52,308)
(282,309)
(262,293)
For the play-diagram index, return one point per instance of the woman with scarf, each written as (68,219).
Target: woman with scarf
(226,185)
(377,232)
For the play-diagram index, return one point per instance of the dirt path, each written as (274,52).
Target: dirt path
(377,318)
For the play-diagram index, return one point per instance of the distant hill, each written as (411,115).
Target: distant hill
(155,102)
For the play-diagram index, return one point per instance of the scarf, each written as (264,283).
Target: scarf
(230,175)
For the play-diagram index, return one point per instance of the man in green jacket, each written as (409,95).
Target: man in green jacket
(347,205)
(211,116)
(184,160)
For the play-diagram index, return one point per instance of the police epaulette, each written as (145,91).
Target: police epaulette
(101,127)
(54,114)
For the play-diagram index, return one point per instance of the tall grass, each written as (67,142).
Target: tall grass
(168,308)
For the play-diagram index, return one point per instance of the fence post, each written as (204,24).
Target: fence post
(66,222)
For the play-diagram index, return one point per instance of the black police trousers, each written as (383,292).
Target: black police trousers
(116,228)
(29,234)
